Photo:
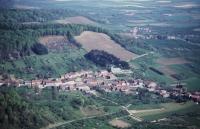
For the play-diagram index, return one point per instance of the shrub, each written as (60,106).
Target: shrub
(39,49)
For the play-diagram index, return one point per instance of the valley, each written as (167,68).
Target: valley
(106,64)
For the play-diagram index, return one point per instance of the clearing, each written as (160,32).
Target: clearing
(99,41)
(53,42)
(119,123)
(76,20)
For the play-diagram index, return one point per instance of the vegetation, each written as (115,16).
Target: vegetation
(105,59)
(17,113)
(27,108)
(39,49)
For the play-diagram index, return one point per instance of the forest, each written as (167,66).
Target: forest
(105,59)
(17,38)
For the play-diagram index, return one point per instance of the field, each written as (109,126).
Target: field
(55,43)
(92,40)
(166,110)
(76,20)
(172,61)
(48,39)
(119,123)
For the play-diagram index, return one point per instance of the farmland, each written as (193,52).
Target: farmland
(171,61)
(100,41)
(166,109)
(119,124)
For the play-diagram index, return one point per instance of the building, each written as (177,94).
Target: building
(120,71)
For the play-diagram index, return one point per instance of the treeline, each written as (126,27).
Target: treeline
(33,108)
(104,59)
(35,15)
(16,113)
(17,39)
(15,43)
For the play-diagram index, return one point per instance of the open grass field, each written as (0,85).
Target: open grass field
(76,20)
(92,40)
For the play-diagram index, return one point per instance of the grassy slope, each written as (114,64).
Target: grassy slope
(55,63)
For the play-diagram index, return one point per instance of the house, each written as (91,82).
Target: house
(28,83)
(37,83)
(2,82)
(164,93)
(92,92)
(120,71)
(83,88)
(195,98)
(48,83)
(152,86)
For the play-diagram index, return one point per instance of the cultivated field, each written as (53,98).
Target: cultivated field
(119,123)
(92,40)
(76,20)
(167,70)
(167,109)
(172,61)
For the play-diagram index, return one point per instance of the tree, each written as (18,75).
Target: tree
(39,49)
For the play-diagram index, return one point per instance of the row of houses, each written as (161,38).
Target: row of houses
(88,81)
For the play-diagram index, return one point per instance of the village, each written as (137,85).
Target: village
(106,80)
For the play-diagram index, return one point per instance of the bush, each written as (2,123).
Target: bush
(39,49)
(105,59)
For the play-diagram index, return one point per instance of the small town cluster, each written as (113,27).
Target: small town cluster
(89,81)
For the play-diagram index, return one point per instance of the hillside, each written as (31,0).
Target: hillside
(53,46)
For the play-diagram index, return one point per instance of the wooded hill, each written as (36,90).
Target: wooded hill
(17,38)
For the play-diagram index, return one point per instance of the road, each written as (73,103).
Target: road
(50,126)
(124,108)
